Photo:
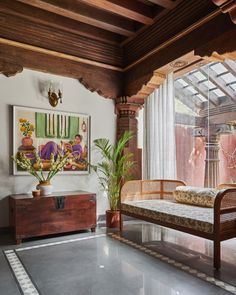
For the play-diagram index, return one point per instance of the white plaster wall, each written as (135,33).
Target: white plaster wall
(27,89)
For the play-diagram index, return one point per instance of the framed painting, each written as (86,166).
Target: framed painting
(48,133)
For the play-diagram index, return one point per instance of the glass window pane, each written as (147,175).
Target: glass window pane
(209,85)
(219,68)
(192,90)
(182,82)
(202,98)
(219,93)
(228,78)
(233,86)
(199,76)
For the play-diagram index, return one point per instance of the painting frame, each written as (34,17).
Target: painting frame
(17,110)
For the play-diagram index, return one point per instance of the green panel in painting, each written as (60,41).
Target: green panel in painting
(40,122)
(74,126)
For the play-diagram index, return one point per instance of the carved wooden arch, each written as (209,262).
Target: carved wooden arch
(227,6)
(9,69)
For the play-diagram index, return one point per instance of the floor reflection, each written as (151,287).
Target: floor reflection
(191,250)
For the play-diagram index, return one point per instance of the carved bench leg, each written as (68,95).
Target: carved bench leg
(93,229)
(217,256)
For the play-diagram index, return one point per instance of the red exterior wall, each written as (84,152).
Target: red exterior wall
(190,152)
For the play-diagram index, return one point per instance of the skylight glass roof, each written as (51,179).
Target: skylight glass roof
(228,78)
(199,76)
(233,86)
(221,83)
(202,98)
(209,85)
(192,90)
(181,81)
(218,92)
(218,68)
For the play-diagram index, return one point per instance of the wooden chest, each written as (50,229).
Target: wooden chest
(58,213)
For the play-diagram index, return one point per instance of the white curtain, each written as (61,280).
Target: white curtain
(159,148)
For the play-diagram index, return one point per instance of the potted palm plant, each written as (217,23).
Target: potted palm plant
(113,170)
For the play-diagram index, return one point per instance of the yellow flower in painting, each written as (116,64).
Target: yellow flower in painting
(31,127)
(29,133)
(22,128)
(21,120)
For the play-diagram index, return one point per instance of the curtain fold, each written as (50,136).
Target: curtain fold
(159,150)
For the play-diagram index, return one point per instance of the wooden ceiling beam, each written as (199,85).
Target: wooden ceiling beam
(80,12)
(168,4)
(129,9)
(107,82)
(52,20)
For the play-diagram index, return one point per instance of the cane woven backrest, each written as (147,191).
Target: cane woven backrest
(149,189)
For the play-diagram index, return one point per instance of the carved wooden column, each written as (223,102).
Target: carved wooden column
(212,161)
(127,110)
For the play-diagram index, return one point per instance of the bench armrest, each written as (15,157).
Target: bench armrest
(224,206)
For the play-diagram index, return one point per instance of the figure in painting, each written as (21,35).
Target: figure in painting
(74,147)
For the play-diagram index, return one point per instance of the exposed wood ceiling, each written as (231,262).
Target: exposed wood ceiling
(114,36)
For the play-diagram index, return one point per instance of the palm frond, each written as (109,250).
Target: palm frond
(115,166)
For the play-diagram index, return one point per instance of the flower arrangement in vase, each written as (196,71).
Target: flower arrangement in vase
(27,130)
(35,168)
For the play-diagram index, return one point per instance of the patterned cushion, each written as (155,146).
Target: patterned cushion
(193,217)
(204,197)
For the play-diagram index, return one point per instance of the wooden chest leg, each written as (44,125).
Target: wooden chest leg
(217,256)
(93,229)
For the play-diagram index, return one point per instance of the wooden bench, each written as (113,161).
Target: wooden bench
(153,201)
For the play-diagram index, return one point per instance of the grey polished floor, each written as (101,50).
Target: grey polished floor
(106,266)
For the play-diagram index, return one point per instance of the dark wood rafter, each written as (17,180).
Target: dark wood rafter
(87,34)
(166,30)
(79,12)
(64,24)
(164,3)
(220,29)
(71,44)
(129,9)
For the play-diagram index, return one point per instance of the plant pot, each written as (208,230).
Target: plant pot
(112,218)
(45,188)
(27,141)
